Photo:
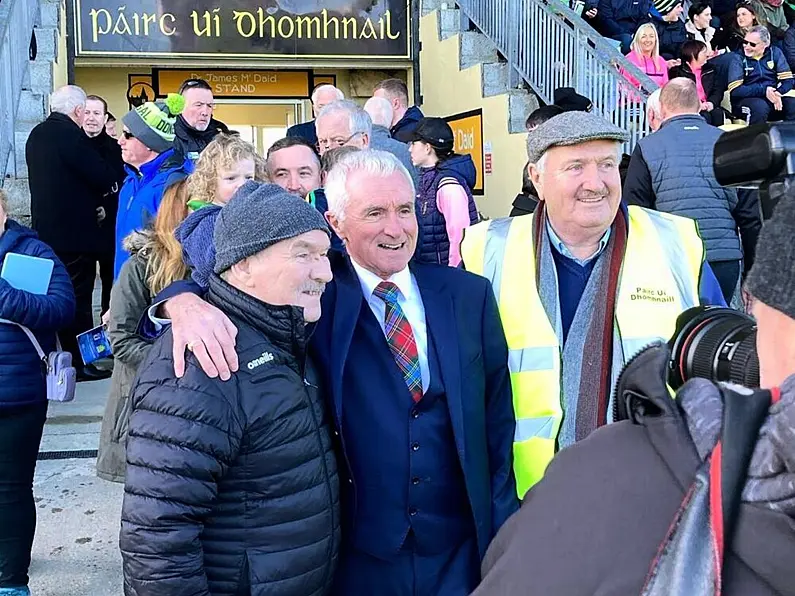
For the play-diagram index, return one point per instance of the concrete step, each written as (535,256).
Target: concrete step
(50,14)
(495,79)
(18,198)
(429,6)
(520,104)
(32,105)
(46,43)
(41,75)
(475,49)
(449,22)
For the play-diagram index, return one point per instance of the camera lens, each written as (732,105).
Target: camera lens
(717,344)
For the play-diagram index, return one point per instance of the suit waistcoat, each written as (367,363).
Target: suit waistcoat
(403,457)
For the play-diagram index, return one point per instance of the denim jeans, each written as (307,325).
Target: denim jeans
(20,435)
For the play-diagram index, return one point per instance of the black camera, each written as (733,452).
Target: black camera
(760,156)
(714,343)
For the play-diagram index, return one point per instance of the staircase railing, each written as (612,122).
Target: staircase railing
(548,46)
(17,18)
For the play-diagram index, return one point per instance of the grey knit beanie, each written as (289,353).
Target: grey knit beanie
(772,278)
(257,216)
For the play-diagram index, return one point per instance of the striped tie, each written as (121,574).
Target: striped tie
(400,338)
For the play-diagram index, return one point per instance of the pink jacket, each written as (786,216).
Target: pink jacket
(656,70)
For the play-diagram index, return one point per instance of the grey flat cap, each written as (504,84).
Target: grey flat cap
(571,128)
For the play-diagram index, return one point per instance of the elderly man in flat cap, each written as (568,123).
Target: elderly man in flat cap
(582,284)
(232,488)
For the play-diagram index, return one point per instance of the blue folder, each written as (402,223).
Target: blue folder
(27,273)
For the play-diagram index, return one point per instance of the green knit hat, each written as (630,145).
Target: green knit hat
(153,123)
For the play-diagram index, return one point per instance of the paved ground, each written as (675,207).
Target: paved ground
(76,548)
(75,552)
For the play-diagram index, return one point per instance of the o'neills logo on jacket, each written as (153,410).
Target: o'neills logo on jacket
(265,358)
(651,295)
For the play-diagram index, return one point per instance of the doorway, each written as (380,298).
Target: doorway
(260,122)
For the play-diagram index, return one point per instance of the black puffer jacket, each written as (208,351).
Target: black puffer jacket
(231,487)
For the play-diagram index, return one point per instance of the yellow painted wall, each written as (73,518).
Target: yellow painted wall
(446,90)
(60,68)
(108,83)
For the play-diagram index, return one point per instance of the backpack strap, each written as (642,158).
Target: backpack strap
(31,337)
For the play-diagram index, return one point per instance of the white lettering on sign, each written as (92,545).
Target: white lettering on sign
(466,140)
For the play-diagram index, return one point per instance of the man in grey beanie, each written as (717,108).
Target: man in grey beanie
(232,486)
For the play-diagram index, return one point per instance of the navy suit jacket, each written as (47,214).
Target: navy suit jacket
(305,130)
(461,314)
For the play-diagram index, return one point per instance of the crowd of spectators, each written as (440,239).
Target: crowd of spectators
(740,56)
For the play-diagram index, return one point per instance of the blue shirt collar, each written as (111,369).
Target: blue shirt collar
(563,250)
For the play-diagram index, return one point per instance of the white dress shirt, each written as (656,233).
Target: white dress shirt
(409,300)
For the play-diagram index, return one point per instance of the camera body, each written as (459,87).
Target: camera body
(760,156)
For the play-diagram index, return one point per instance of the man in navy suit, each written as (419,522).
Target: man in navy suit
(414,363)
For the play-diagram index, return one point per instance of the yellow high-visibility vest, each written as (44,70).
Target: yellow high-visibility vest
(659,279)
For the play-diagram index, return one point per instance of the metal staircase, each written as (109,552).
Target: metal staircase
(546,46)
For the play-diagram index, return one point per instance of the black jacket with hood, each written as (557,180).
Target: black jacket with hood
(189,142)
(404,127)
(232,487)
(595,522)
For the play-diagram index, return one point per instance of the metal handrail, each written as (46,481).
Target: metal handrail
(547,45)
(17,18)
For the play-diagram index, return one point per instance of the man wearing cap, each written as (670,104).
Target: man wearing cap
(582,285)
(627,492)
(147,148)
(445,205)
(232,487)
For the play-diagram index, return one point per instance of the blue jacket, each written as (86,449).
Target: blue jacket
(305,130)
(382,141)
(623,17)
(403,128)
(140,198)
(22,379)
(750,78)
(462,316)
(685,145)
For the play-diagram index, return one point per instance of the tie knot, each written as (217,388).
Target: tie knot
(387,291)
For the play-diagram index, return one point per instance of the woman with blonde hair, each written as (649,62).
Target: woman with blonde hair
(155,262)
(225,165)
(645,54)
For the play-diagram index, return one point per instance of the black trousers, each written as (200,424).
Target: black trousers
(728,275)
(106,263)
(82,269)
(20,435)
